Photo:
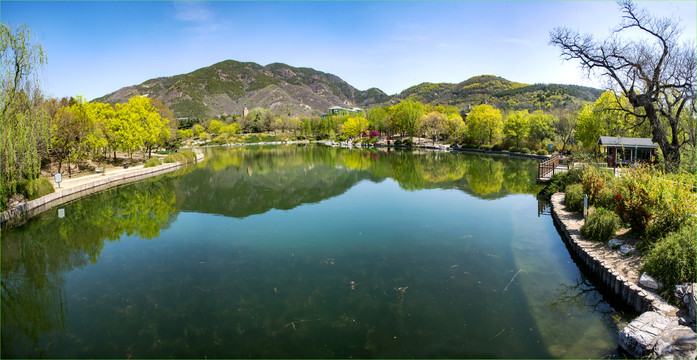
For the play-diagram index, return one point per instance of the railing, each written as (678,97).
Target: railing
(547,166)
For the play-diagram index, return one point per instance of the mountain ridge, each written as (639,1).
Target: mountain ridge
(229,86)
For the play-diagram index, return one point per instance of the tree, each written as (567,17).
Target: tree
(407,116)
(484,123)
(517,126)
(455,125)
(198,129)
(605,118)
(354,125)
(654,72)
(540,127)
(215,126)
(565,128)
(25,124)
(434,124)
(378,119)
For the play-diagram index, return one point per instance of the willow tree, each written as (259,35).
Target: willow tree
(24,123)
(643,59)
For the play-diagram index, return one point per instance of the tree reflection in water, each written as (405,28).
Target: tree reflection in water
(236,182)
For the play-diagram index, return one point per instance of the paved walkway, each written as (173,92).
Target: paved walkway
(68,183)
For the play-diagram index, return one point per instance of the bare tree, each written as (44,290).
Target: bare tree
(654,71)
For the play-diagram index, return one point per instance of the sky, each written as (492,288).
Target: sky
(95,48)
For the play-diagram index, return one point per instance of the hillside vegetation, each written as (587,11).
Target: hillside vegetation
(226,88)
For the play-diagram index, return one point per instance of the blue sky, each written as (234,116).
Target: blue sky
(94,48)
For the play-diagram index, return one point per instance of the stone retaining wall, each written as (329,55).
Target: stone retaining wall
(657,332)
(625,290)
(22,212)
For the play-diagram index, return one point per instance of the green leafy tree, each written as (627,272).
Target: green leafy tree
(354,125)
(434,124)
(517,126)
(484,123)
(154,128)
(25,124)
(378,119)
(215,126)
(540,127)
(455,126)
(198,129)
(407,116)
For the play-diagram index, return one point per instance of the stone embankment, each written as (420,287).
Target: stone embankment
(658,332)
(24,211)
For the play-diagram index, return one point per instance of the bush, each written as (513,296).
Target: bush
(601,225)
(182,157)
(496,147)
(514,150)
(34,189)
(525,150)
(573,197)
(605,198)
(407,142)
(671,259)
(594,180)
(153,162)
(651,204)
(542,152)
(485,147)
(397,142)
(559,181)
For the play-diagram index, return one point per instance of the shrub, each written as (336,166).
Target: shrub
(514,150)
(407,142)
(559,181)
(398,142)
(671,259)
(34,189)
(601,225)
(594,181)
(153,162)
(605,198)
(525,150)
(341,138)
(573,197)
(542,152)
(652,205)
(496,147)
(182,157)
(485,147)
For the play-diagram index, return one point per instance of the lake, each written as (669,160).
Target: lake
(305,251)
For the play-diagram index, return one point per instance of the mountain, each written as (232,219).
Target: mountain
(501,93)
(226,88)
(229,86)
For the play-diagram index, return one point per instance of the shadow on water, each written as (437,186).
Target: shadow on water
(418,291)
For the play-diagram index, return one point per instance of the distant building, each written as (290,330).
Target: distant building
(338,110)
(627,151)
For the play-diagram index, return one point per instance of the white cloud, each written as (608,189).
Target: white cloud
(192,11)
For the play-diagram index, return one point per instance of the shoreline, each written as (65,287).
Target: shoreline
(19,214)
(657,331)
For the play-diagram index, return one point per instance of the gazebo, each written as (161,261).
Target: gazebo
(627,151)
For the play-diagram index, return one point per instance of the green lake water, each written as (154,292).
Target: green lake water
(305,251)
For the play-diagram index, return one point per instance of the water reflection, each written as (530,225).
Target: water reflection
(238,182)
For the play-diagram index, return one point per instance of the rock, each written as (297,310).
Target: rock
(686,294)
(626,249)
(649,282)
(676,343)
(655,335)
(615,242)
